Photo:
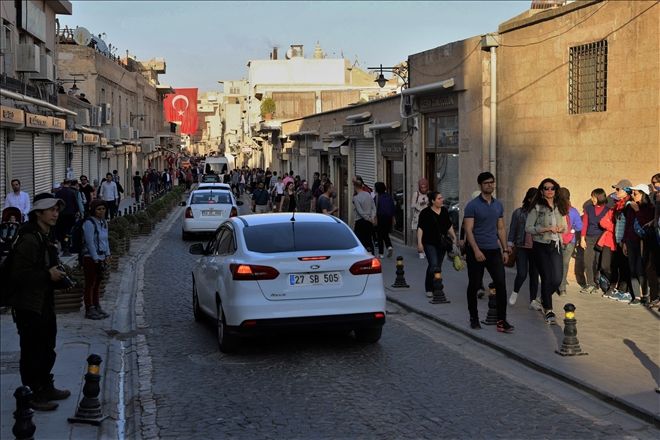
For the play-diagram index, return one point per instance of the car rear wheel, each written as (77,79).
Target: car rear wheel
(197,312)
(369,334)
(227,342)
(185,235)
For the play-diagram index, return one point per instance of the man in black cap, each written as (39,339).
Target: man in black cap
(34,275)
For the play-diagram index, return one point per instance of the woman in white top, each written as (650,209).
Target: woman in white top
(418,202)
(546,223)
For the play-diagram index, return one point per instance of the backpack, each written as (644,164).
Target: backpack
(78,236)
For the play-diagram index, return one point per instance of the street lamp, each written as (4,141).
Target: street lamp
(381,80)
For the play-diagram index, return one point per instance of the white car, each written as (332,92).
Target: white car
(270,271)
(206,209)
(214,186)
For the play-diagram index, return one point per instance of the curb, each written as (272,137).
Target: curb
(633,410)
(126,344)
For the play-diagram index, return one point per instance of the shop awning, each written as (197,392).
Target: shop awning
(429,88)
(338,143)
(385,126)
(304,133)
(359,116)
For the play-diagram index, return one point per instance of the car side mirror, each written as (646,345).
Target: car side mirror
(239,202)
(182,203)
(197,249)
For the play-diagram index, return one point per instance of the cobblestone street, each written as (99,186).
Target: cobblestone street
(327,385)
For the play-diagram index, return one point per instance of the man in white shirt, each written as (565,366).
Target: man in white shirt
(18,199)
(110,195)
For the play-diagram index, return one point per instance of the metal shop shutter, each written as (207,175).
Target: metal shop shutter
(21,160)
(85,161)
(76,163)
(365,161)
(59,163)
(93,164)
(3,165)
(43,163)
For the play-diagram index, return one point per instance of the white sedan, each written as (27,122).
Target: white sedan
(206,209)
(270,271)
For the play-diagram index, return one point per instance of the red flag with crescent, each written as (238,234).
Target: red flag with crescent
(181,106)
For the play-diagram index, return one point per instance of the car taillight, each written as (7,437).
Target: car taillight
(251,272)
(234,212)
(364,267)
(189,213)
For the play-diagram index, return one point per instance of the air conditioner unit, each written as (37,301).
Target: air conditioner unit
(46,72)
(27,58)
(127,132)
(106,114)
(115,134)
(83,116)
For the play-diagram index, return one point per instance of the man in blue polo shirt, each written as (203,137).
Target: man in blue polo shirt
(486,249)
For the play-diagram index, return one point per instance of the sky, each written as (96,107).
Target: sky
(206,41)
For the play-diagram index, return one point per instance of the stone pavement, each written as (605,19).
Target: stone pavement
(622,341)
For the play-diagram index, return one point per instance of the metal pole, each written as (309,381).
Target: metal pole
(493,110)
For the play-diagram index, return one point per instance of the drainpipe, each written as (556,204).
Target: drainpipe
(37,102)
(493,110)
(489,43)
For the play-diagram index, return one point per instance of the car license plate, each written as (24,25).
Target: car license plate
(211,212)
(314,279)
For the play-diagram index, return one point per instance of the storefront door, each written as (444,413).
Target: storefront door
(394,179)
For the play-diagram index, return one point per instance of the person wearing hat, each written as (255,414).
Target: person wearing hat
(35,273)
(613,262)
(638,213)
(95,250)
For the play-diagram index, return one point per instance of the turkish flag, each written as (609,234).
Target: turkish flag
(181,106)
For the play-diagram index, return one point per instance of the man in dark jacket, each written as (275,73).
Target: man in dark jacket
(34,269)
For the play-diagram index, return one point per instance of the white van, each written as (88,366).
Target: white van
(219,164)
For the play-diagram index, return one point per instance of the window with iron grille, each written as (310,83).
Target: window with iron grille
(587,78)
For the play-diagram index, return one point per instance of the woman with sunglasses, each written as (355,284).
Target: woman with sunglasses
(546,223)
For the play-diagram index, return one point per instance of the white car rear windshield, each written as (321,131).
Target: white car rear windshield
(211,198)
(294,237)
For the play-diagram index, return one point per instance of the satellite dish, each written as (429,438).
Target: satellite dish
(101,46)
(82,36)
(289,53)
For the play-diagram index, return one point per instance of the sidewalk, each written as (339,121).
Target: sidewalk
(77,338)
(622,341)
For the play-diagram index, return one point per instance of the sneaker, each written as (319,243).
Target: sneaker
(550,318)
(389,251)
(587,289)
(40,403)
(52,393)
(624,297)
(380,256)
(504,327)
(635,302)
(474,324)
(611,294)
(481,293)
(429,294)
(91,313)
(562,293)
(513,298)
(101,312)
(535,304)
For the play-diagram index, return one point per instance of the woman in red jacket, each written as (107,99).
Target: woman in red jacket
(613,263)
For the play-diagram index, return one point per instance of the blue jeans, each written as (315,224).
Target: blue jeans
(434,255)
(525,265)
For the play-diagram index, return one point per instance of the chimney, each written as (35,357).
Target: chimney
(274,57)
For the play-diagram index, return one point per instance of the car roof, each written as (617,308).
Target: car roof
(211,190)
(214,185)
(280,217)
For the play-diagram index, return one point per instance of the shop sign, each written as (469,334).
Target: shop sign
(392,150)
(37,121)
(120,150)
(10,115)
(353,131)
(104,142)
(57,124)
(89,139)
(70,136)
(427,103)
